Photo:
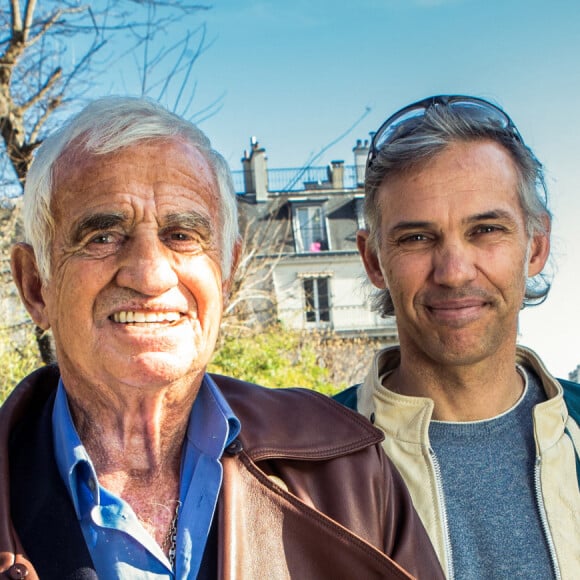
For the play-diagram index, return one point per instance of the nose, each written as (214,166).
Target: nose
(147,266)
(454,265)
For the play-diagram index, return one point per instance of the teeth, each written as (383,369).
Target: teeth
(129,316)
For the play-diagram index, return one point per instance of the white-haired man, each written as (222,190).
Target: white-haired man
(127,460)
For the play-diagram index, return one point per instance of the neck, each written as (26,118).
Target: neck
(141,433)
(461,393)
(135,444)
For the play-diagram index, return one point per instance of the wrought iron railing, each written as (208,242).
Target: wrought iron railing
(300,179)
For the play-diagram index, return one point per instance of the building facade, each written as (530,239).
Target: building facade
(302,225)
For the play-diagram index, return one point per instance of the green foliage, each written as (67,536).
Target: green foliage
(275,357)
(18,357)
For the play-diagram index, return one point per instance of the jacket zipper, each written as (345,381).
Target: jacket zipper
(544,519)
(441,496)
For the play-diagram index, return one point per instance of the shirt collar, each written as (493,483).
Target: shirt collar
(73,463)
(212,423)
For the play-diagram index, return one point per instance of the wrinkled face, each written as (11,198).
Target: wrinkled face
(454,254)
(135,293)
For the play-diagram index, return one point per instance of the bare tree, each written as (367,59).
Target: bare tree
(252,301)
(54,52)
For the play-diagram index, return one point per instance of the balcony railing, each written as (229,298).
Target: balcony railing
(300,179)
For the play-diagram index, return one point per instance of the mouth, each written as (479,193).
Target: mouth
(141,317)
(456,307)
(458,312)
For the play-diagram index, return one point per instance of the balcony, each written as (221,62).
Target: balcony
(302,179)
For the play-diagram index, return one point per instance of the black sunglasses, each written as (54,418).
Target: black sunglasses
(406,119)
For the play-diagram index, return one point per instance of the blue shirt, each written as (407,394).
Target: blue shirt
(119,545)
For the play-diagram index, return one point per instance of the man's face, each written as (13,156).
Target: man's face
(454,254)
(135,294)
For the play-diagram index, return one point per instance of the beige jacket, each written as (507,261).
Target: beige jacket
(405,422)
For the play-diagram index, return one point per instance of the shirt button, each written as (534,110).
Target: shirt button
(234,447)
(17,571)
(372,418)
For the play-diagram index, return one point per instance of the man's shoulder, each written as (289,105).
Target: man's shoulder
(295,420)
(572,398)
(29,397)
(37,496)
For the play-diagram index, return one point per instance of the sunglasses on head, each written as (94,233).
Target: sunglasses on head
(406,119)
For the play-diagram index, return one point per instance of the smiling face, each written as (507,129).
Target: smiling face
(454,254)
(135,295)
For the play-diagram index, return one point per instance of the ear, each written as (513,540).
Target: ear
(370,259)
(27,279)
(539,250)
(236,255)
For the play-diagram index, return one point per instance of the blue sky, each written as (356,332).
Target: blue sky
(298,74)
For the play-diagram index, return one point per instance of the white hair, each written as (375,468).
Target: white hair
(104,126)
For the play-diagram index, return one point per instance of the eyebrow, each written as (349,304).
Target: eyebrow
(495,214)
(409,225)
(96,222)
(190,220)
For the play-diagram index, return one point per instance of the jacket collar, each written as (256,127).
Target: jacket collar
(284,422)
(550,416)
(404,417)
(390,411)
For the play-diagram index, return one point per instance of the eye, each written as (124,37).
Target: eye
(103,238)
(184,240)
(487,229)
(102,244)
(415,238)
(179,236)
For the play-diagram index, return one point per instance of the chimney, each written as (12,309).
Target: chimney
(336,171)
(248,177)
(255,166)
(361,151)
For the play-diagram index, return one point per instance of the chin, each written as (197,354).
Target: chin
(159,370)
(460,355)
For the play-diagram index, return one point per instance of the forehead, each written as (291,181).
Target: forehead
(164,174)
(464,174)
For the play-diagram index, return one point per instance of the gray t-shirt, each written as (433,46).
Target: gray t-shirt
(487,470)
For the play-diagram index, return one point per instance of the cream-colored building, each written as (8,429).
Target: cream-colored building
(302,225)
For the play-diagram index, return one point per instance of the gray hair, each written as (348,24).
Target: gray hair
(438,128)
(104,126)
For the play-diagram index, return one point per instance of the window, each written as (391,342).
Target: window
(310,229)
(316,300)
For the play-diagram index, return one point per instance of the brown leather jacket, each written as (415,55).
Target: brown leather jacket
(307,493)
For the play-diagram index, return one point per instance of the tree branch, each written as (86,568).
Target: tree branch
(44,90)
(30,7)
(16,17)
(52,21)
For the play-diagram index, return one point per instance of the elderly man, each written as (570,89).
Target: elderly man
(458,237)
(127,460)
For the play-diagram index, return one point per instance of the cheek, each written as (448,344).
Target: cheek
(505,268)
(204,284)
(73,292)
(406,276)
